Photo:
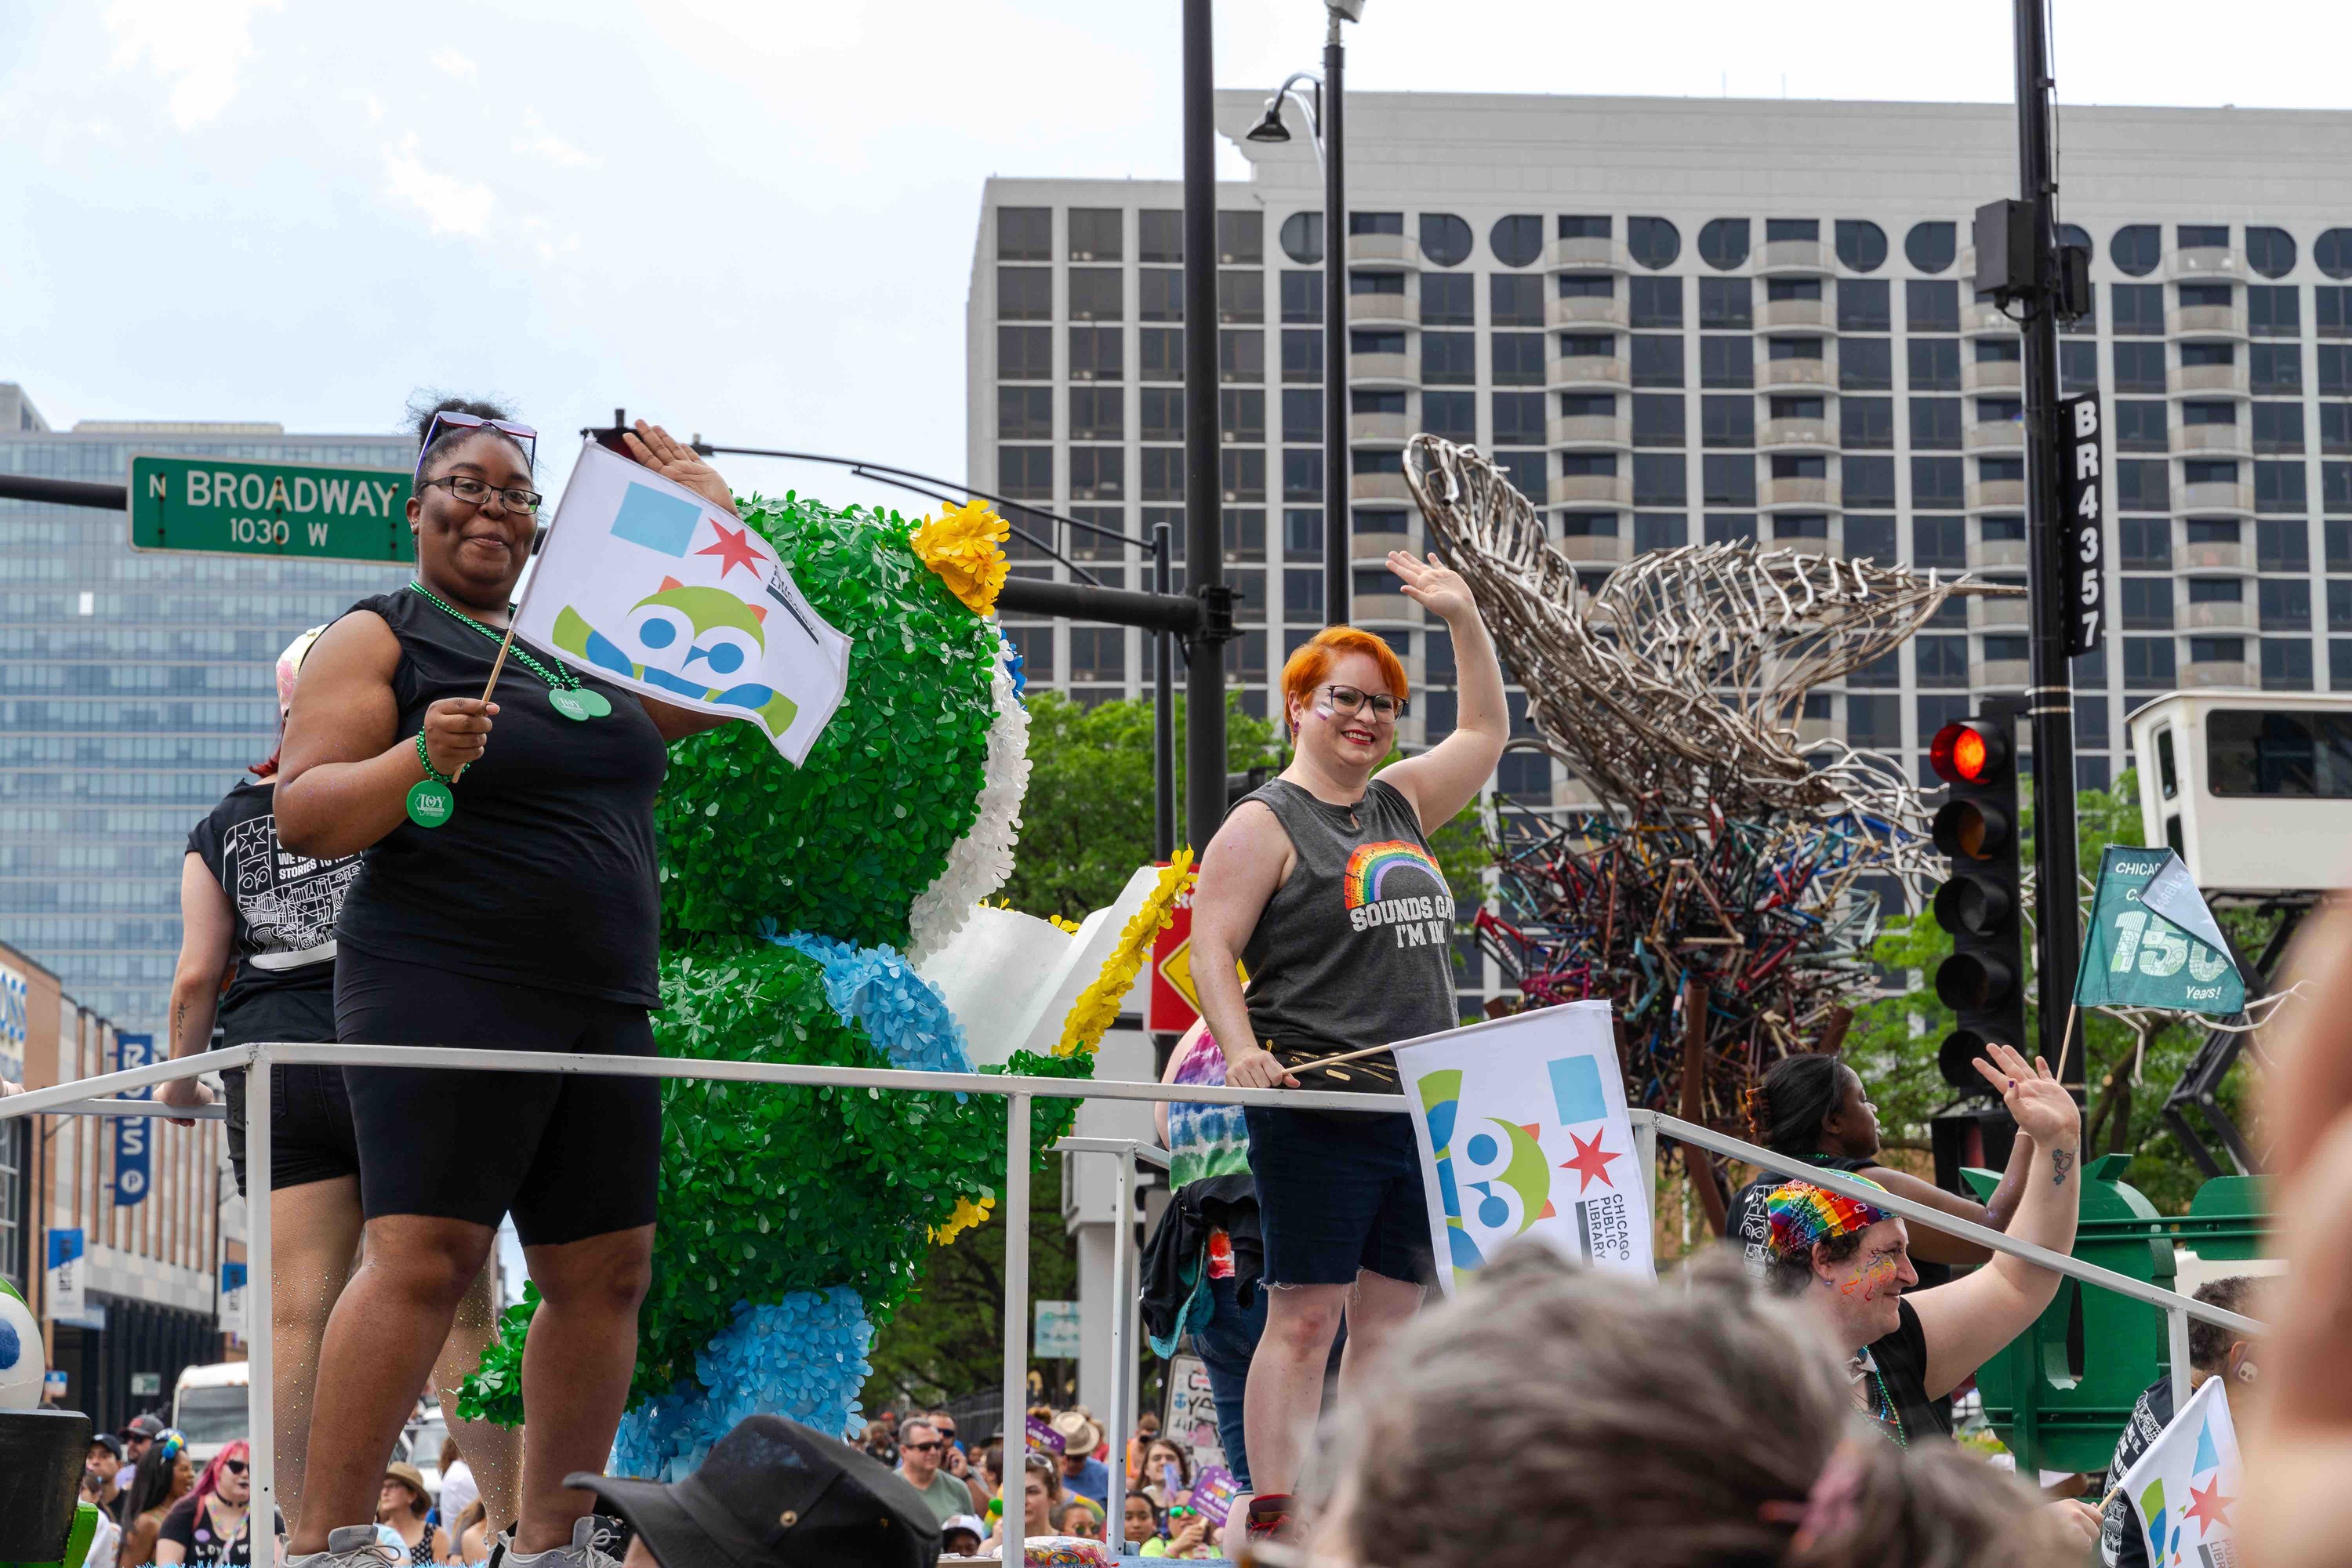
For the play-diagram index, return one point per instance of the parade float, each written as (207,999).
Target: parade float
(802,909)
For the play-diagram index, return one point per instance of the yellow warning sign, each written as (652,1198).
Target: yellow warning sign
(1177,968)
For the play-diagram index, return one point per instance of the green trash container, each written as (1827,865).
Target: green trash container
(2059,1395)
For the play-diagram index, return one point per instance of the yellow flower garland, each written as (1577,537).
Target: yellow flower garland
(965,544)
(1097,1006)
(967,1214)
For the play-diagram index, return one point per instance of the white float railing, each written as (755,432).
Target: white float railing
(94,1096)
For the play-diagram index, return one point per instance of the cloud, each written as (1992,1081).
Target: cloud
(451,205)
(547,145)
(198,46)
(449,62)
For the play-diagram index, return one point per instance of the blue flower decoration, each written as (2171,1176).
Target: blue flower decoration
(875,989)
(802,1357)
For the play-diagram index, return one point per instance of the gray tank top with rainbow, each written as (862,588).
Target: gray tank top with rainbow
(1356,949)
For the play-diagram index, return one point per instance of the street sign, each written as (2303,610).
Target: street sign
(65,1297)
(134,1152)
(1058,1330)
(2081,437)
(238,506)
(146,1384)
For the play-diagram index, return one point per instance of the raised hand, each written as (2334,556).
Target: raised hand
(674,460)
(2044,1110)
(1436,588)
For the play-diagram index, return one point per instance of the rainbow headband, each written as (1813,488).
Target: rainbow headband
(1802,1214)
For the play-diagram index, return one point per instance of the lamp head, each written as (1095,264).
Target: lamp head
(1271,128)
(1346,10)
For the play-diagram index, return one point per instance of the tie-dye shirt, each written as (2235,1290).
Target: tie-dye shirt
(1204,1140)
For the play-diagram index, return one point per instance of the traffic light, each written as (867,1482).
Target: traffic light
(1983,983)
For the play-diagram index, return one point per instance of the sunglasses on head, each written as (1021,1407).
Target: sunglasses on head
(475,421)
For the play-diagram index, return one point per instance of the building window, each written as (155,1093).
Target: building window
(1867,422)
(2281,545)
(1935,424)
(2137,309)
(1516,299)
(1726,304)
(2278,426)
(1931,246)
(1862,304)
(1098,473)
(1587,525)
(2335,369)
(2135,248)
(1516,240)
(1241,296)
(1870,481)
(1160,235)
(1874,722)
(1024,233)
(1800,525)
(1240,239)
(1583,225)
(1160,293)
(2287,664)
(1727,362)
(1939,541)
(1025,471)
(1728,480)
(1024,293)
(1302,474)
(1860,245)
(1793,348)
(2279,487)
(1581,286)
(1660,479)
(2212,529)
(1658,420)
(2146,603)
(1449,359)
(1518,418)
(1025,412)
(1865,365)
(1656,243)
(1391,283)
(1450,416)
(1870,538)
(1722,243)
(2336,427)
(1587,465)
(1524,469)
(1518,356)
(1024,353)
(2149,664)
(2140,424)
(1163,475)
(2139,367)
(1940,661)
(1302,237)
(2216,650)
(1660,530)
(2203,235)
(1445,301)
(1097,413)
(1725,420)
(1792,289)
(1302,413)
(1240,413)
(2270,251)
(1302,595)
(2078,367)
(1444,239)
(1931,305)
(1160,353)
(1725,527)
(1935,364)
(2273,311)
(1655,301)
(2203,354)
(2142,485)
(1302,353)
(2339,604)
(1094,234)
(1302,540)
(2274,368)
(1657,359)
(1241,354)
(1162,414)
(1936,482)
(2284,604)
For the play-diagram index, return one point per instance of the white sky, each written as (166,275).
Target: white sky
(756,220)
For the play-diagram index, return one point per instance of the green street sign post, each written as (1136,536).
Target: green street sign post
(238,506)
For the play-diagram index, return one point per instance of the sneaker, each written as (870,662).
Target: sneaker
(590,1536)
(352,1546)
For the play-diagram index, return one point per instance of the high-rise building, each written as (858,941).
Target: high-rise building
(1675,321)
(136,688)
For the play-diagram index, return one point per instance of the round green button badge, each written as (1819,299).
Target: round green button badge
(431,802)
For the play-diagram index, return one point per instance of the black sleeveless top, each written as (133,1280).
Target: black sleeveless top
(546,875)
(1357,948)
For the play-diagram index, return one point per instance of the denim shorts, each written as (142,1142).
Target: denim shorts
(1339,1193)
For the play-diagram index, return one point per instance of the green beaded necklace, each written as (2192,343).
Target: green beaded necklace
(568,698)
(1888,1419)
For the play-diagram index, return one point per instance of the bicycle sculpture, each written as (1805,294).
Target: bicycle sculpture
(1723,889)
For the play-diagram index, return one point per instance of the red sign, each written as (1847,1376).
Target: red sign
(1174,1003)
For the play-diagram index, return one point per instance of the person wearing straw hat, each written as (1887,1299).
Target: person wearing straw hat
(404,1507)
(1323,884)
(262,920)
(1082,1475)
(506,899)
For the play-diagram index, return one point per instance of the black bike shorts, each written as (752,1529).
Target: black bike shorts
(310,1137)
(570,1155)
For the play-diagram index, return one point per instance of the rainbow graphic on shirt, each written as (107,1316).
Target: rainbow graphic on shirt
(1369,869)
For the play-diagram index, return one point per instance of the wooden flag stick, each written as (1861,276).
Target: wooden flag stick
(499,663)
(514,614)
(1338,1060)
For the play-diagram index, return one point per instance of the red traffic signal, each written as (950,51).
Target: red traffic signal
(1966,752)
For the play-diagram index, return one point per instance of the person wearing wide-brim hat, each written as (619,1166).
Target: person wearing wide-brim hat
(775,1494)
(1082,1473)
(401,1507)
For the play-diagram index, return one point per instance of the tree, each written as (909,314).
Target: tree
(1894,1041)
(1087,823)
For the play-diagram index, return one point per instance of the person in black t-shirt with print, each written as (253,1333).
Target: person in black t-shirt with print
(1849,1263)
(519,910)
(211,1527)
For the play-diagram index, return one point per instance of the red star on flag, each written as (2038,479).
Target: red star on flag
(1591,1161)
(2208,1508)
(734,548)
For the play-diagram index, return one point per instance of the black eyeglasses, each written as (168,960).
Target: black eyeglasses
(474,491)
(1347,701)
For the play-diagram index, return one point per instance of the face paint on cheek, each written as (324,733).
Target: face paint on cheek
(1874,1278)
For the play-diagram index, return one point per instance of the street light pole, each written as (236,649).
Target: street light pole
(1204,540)
(1337,565)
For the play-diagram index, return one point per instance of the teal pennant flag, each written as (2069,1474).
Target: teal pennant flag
(2151,941)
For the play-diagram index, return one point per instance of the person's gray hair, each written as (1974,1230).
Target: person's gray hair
(1679,1424)
(907,1429)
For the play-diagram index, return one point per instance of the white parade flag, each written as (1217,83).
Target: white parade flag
(652,587)
(1523,1131)
(2186,1483)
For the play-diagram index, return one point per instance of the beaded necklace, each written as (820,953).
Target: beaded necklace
(570,697)
(1887,1417)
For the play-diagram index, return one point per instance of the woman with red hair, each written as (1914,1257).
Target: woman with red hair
(1323,886)
(208,1527)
